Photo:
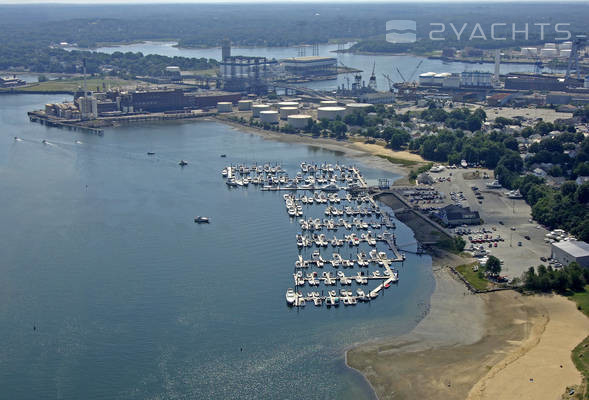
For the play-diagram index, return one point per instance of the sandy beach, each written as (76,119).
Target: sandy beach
(478,347)
(363,152)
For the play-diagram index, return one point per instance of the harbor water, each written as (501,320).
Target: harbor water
(383,64)
(109,290)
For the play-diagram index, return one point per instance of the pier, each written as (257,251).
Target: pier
(96,125)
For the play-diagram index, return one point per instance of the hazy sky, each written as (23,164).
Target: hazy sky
(264,1)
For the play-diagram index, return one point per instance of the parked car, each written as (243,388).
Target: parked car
(527,237)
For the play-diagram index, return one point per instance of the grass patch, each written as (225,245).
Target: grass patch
(400,161)
(580,358)
(476,279)
(423,168)
(582,300)
(71,85)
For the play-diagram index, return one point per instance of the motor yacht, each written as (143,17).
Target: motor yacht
(290,296)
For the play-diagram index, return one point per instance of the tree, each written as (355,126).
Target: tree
(583,193)
(493,265)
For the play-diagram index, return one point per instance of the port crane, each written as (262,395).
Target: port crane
(579,42)
(412,73)
(372,80)
(390,82)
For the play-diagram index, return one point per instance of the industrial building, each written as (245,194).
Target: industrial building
(476,79)
(454,215)
(245,73)
(10,82)
(377,98)
(570,251)
(113,102)
(534,82)
(310,66)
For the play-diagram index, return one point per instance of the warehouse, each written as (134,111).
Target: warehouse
(308,66)
(570,251)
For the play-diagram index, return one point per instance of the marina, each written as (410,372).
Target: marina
(339,192)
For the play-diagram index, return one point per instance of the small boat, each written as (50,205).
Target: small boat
(44,141)
(150,153)
(201,220)
(182,163)
(290,296)
(223,155)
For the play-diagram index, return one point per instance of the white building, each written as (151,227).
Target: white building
(569,251)
(548,52)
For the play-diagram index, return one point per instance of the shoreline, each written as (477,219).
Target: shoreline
(366,153)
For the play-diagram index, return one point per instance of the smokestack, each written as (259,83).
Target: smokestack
(497,64)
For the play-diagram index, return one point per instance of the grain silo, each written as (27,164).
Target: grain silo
(299,121)
(244,105)
(224,106)
(269,117)
(256,108)
(330,113)
(286,111)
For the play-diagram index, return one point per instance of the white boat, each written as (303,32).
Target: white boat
(336,260)
(291,296)
(201,220)
(463,164)
(494,185)
(361,295)
(361,279)
(224,172)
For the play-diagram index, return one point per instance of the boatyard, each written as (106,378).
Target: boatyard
(340,193)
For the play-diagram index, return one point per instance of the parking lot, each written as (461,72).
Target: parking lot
(504,218)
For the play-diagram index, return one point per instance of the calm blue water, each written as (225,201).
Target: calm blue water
(383,64)
(132,300)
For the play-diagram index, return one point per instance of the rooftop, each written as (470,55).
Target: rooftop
(575,248)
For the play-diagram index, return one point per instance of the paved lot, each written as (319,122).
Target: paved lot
(496,207)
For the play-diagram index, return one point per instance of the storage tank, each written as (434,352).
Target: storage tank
(299,121)
(269,117)
(287,104)
(224,106)
(286,111)
(328,103)
(257,108)
(330,113)
(427,78)
(244,105)
(439,78)
(352,107)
